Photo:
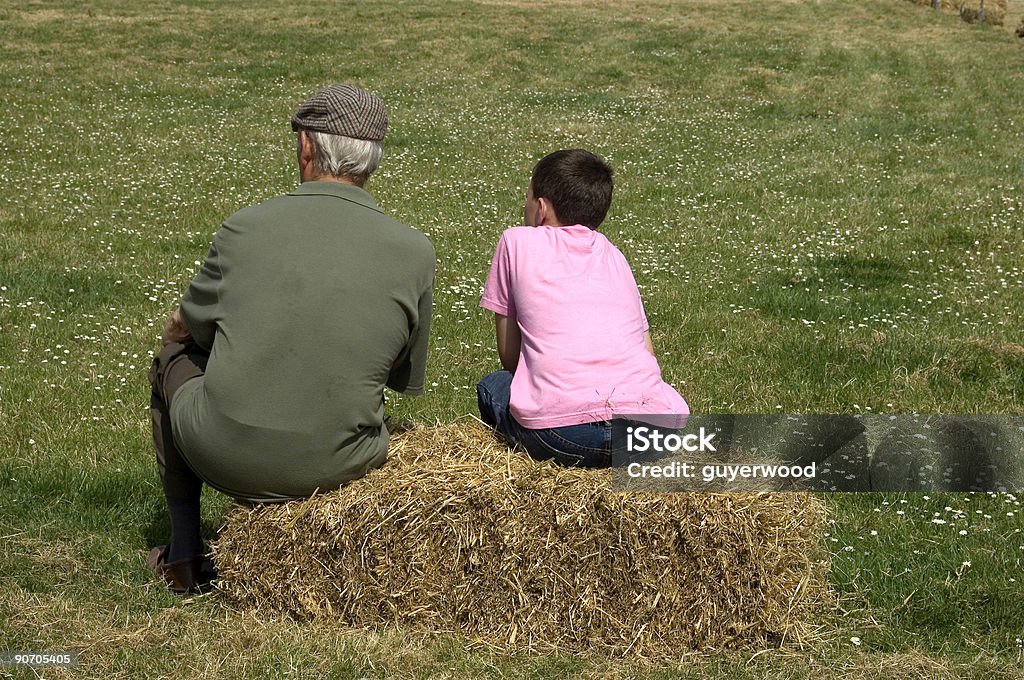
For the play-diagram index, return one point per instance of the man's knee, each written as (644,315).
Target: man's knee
(161,360)
(173,366)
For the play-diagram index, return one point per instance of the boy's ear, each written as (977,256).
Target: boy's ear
(546,213)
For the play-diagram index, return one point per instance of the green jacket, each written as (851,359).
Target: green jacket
(310,303)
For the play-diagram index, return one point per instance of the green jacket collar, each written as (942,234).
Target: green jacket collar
(346,192)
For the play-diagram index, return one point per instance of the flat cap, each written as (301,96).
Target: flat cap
(343,110)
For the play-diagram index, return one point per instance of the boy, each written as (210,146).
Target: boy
(571,331)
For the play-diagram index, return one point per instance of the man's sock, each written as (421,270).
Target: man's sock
(186,541)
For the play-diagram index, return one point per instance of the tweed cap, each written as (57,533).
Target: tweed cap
(343,110)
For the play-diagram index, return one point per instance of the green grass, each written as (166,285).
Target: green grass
(821,203)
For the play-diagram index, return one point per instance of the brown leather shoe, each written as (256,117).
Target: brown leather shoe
(193,575)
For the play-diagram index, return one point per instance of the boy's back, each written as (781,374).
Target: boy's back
(582,356)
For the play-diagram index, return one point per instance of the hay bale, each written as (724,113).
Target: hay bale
(456,534)
(995,10)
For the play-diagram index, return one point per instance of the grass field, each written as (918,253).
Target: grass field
(821,202)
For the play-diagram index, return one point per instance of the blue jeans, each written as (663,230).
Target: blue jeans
(585,445)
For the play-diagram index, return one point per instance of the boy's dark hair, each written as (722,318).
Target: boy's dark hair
(578,184)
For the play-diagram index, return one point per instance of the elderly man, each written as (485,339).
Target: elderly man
(270,385)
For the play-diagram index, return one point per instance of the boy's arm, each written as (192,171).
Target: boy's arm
(647,342)
(509,340)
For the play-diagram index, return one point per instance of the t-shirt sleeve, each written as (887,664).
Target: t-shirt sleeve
(200,305)
(409,372)
(497,295)
(630,280)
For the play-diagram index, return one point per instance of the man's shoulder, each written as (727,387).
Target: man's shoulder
(301,200)
(414,242)
(404,237)
(259,210)
(284,208)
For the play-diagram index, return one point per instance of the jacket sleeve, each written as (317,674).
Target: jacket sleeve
(408,374)
(200,305)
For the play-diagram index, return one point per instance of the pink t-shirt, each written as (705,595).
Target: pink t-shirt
(582,357)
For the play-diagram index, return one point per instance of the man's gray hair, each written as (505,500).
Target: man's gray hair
(345,156)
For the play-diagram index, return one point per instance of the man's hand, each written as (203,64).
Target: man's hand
(176,329)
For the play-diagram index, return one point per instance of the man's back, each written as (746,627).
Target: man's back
(312,302)
(270,382)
